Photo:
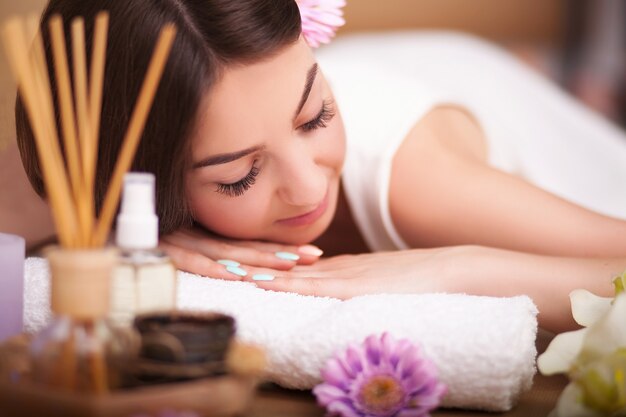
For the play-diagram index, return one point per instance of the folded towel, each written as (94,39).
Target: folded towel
(484,347)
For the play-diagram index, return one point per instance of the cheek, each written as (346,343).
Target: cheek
(240,217)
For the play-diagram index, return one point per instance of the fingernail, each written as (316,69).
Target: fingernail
(263,277)
(237,271)
(287,256)
(310,250)
(228,262)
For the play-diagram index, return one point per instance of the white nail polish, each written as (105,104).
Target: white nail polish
(310,250)
(287,256)
(263,277)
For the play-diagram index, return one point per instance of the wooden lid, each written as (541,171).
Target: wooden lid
(81,281)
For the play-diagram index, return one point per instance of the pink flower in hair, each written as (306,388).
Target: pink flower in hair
(320,19)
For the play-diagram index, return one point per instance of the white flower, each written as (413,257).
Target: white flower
(587,308)
(593,357)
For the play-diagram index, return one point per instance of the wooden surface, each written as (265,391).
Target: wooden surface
(272,401)
(277,402)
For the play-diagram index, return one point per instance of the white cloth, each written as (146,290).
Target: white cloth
(385,83)
(483,347)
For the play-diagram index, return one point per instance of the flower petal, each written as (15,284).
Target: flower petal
(425,374)
(607,334)
(334,373)
(343,409)
(569,404)
(561,352)
(373,349)
(327,393)
(397,350)
(409,363)
(320,19)
(353,361)
(587,307)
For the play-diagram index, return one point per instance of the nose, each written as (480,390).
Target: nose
(302,181)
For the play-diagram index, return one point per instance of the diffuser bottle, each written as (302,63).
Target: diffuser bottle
(79,350)
(145,279)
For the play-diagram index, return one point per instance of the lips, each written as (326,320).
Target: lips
(307,218)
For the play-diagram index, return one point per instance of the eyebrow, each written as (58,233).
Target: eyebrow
(310,79)
(229,157)
(226,157)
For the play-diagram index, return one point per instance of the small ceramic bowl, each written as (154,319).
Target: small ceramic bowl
(183,345)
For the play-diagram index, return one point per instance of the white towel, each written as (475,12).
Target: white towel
(484,347)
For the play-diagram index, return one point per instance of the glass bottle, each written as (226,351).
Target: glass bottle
(79,350)
(145,279)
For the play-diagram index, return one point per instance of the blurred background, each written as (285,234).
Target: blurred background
(580,44)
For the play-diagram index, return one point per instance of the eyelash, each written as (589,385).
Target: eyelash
(238,188)
(325,115)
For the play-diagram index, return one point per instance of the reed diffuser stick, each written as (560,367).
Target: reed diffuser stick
(66,104)
(133,133)
(72,206)
(85,204)
(85,210)
(46,107)
(56,181)
(96,80)
(80,88)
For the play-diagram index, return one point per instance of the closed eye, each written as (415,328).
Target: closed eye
(324,116)
(238,188)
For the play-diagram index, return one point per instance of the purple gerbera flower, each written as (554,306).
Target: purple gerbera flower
(320,19)
(383,378)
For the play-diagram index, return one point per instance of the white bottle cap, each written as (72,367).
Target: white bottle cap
(137,223)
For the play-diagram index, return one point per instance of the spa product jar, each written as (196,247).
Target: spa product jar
(79,350)
(144,280)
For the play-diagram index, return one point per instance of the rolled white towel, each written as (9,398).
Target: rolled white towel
(484,347)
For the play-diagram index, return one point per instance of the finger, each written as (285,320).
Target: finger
(331,264)
(328,287)
(196,263)
(221,250)
(302,255)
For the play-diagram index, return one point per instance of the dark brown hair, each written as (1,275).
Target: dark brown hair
(212,34)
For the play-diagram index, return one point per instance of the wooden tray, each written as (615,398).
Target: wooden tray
(226,395)
(222,396)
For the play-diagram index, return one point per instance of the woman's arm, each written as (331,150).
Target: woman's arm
(548,280)
(475,270)
(442,193)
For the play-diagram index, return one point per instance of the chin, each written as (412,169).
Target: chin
(300,237)
(305,234)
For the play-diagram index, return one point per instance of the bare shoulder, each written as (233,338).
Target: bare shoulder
(425,167)
(442,192)
(448,128)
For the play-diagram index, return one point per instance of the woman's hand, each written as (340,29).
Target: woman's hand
(346,276)
(199,252)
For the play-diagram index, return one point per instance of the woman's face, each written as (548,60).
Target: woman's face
(268,151)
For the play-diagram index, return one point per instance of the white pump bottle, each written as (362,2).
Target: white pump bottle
(145,279)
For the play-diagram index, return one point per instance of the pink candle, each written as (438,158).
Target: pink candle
(11,285)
